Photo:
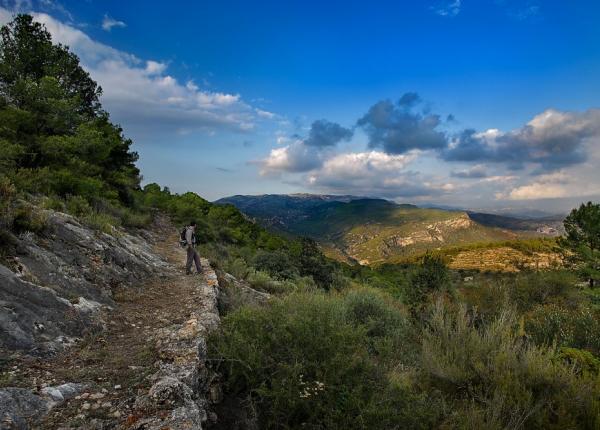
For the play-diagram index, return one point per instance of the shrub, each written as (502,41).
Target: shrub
(263,282)
(499,381)
(584,361)
(534,288)
(8,193)
(78,206)
(27,218)
(238,268)
(278,264)
(54,203)
(102,222)
(306,361)
(574,327)
(130,218)
(431,275)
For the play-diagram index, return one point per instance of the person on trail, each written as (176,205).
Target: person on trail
(190,243)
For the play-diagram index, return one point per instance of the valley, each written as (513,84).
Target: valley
(375,231)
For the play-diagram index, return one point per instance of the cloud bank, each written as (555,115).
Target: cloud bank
(412,153)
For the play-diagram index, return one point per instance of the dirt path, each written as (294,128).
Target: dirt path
(115,364)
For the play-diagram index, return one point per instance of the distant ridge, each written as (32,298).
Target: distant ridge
(374,230)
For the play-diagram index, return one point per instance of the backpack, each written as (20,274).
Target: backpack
(183,241)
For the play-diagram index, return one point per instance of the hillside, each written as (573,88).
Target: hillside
(373,231)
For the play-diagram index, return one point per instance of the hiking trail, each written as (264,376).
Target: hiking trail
(146,369)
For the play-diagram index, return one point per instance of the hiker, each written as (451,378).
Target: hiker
(189,236)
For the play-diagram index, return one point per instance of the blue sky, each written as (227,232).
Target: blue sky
(473,103)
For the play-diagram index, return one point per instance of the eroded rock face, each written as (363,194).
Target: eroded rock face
(52,289)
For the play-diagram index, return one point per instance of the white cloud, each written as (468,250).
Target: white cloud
(293,158)
(265,114)
(551,186)
(551,140)
(156,68)
(356,165)
(375,173)
(109,23)
(141,96)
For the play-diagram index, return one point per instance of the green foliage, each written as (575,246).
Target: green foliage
(573,327)
(27,219)
(277,263)
(431,275)
(312,263)
(584,361)
(533,288)
(316,361)
(498,381)
(55,138)
(582,241)
(8,193)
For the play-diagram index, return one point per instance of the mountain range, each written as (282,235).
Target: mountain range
(374,231)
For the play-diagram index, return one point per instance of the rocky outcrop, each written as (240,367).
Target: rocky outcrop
(20,407)
(54,283)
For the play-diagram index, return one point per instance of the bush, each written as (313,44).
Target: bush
(431,275)
(584,361)
(7,196)
(263,282)
(28,218)
(535,288)
(499,381)
(306,361)
(278,264)
(573,327)
(102,222)
(78,206)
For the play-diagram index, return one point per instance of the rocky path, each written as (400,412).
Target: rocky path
(145,371)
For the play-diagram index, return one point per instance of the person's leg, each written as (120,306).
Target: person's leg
(197,262)
(190,258)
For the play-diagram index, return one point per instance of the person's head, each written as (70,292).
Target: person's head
(193,224)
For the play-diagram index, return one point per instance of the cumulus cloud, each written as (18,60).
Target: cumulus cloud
(545,187)
(302,155)
(294,158)
(447,8)
(325,133)
(109,23)
(551,140)
(142,96)
(374,173)
(399,127)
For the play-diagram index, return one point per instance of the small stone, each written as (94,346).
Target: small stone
(106,405)
(116,414)
(85,395)
(95,406)
(117,387)
(104,390)
(97,396)
(86,406)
